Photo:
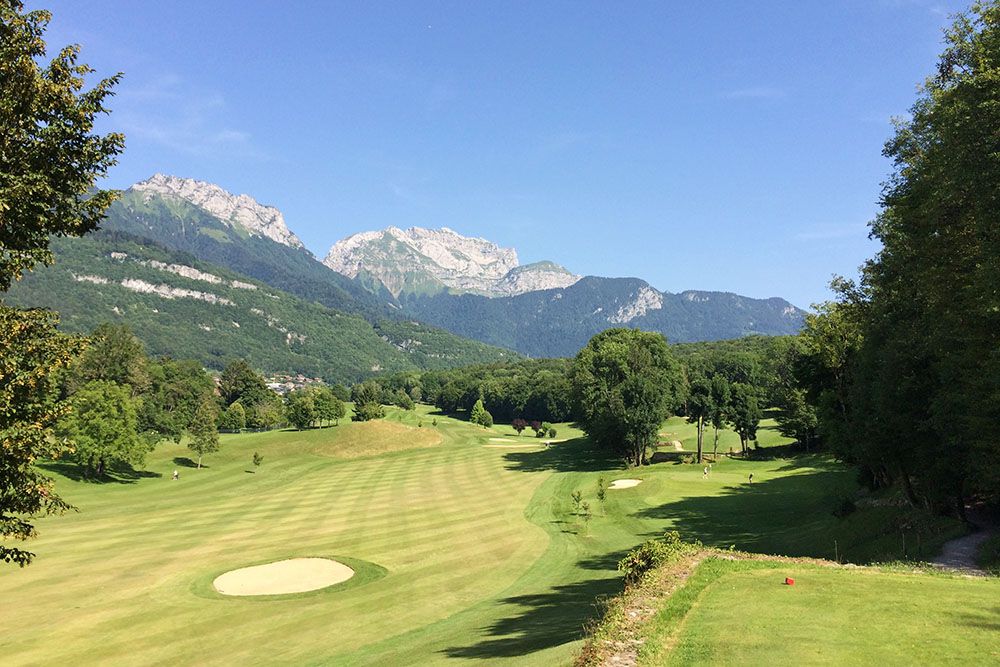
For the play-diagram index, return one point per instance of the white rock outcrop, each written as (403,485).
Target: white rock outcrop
(645,300)
(241,210)
(427,259)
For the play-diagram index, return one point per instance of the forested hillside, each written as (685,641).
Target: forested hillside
(558,322)
(184,308)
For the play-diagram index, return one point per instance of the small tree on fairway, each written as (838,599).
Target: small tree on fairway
(602,489)
(204,436)
(480,415)
(519,425)
(257,460)
(536,426)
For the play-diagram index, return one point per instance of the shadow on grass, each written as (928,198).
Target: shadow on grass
(124,474)
(781,514)
(186,462)
(576,455)
(540,621)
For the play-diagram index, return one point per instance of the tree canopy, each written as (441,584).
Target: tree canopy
(626,382)
(50,161)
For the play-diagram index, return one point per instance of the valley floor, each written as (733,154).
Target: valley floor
(470,551)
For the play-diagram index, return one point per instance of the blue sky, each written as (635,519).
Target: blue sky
(697,145)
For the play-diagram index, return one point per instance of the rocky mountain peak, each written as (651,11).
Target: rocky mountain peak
(430,260)
(240,210)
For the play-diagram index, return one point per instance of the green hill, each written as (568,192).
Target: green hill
(185,308)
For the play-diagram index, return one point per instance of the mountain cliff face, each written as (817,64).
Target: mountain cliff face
(241,210)
(427,261)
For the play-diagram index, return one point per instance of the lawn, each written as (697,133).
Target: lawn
(742,613)
(469,544)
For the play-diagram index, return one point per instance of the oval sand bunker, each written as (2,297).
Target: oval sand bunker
(295,575)
(625,483)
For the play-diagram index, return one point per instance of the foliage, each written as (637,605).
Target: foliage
(479,415)
(903,369)
(234,418)
(329,407)
(626,383)
(176,389)
(113,355)
(102,427)
(744,413)
(29,408)
(650,555)
(257,459)
(50,161)
(50,157)
(367,398)
(204,436)
(300,409)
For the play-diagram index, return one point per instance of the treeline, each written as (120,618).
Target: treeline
(903,369)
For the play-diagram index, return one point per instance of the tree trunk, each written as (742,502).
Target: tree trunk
(199,461)
(715,447)
(701,432)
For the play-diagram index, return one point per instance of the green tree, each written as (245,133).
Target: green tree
(113,355)
(102,428)
(626,382)
(367,401)
(204,436)
(721,399)
(176,389)
(234,418)
(700,408)
(300,409)
(480,415)
(50,162)
(744,413)
(29,408)
(328,406)
(240,382)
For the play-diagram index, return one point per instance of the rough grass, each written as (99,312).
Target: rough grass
(484,554)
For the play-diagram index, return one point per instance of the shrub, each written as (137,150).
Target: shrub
(650,555)
(989,556)
(845,508)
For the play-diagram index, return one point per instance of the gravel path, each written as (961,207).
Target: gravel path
(962,553)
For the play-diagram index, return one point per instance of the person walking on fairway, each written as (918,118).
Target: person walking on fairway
(704,474)
(176,474)
(751,478)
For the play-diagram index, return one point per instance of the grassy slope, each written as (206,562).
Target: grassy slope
(484,558)
(741,613)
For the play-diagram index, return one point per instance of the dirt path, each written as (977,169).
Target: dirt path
(962,552)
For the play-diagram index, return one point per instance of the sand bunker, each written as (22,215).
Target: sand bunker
(676,444)
(295,575)
(625,483)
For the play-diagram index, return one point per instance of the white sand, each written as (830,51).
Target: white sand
(625,483)
(676,444)
(295,575)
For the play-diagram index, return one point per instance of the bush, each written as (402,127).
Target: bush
(650,555)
